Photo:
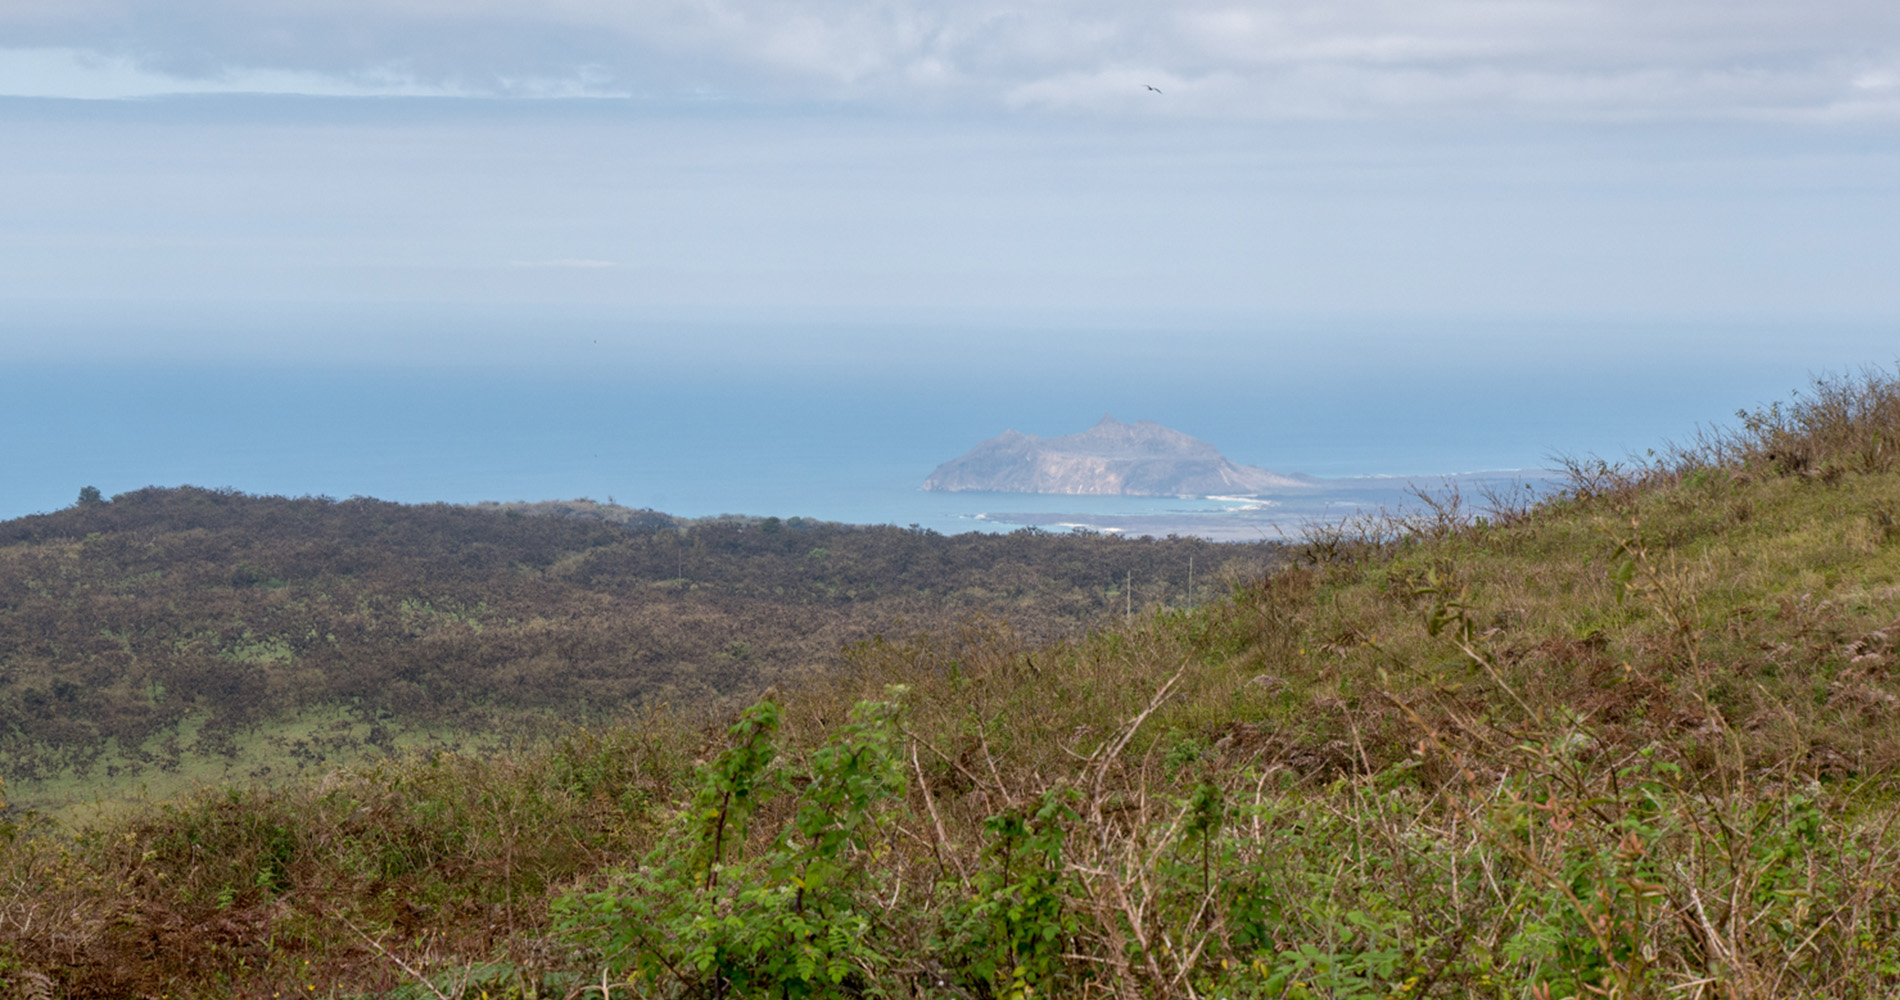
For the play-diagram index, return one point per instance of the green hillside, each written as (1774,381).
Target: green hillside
(171,637)
(1637,740)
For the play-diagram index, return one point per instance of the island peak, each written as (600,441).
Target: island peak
(1112,458)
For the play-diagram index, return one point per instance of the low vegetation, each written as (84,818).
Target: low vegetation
(170,637)
(1634,740)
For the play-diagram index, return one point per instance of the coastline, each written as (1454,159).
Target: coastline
(1264,516)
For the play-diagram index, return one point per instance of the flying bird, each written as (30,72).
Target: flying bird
(1152,87)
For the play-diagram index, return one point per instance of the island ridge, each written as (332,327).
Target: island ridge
(1110,459)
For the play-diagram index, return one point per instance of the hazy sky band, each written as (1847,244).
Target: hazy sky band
(836,177)
(763,216)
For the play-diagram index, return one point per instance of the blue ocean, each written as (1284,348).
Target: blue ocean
(775,429)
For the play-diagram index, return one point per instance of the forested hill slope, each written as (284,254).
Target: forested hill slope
(168,626)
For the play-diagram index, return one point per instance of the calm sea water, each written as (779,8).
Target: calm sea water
(848,444)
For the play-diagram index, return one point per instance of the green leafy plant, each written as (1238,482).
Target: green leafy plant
(794,919)
(1010,931)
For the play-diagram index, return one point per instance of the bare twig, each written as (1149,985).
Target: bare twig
(404,966)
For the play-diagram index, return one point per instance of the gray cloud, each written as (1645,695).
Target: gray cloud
(1563,59)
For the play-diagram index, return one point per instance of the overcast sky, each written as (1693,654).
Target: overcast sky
(175,171)
(1268,59)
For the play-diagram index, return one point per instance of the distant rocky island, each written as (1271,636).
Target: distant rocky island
(1112,458)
